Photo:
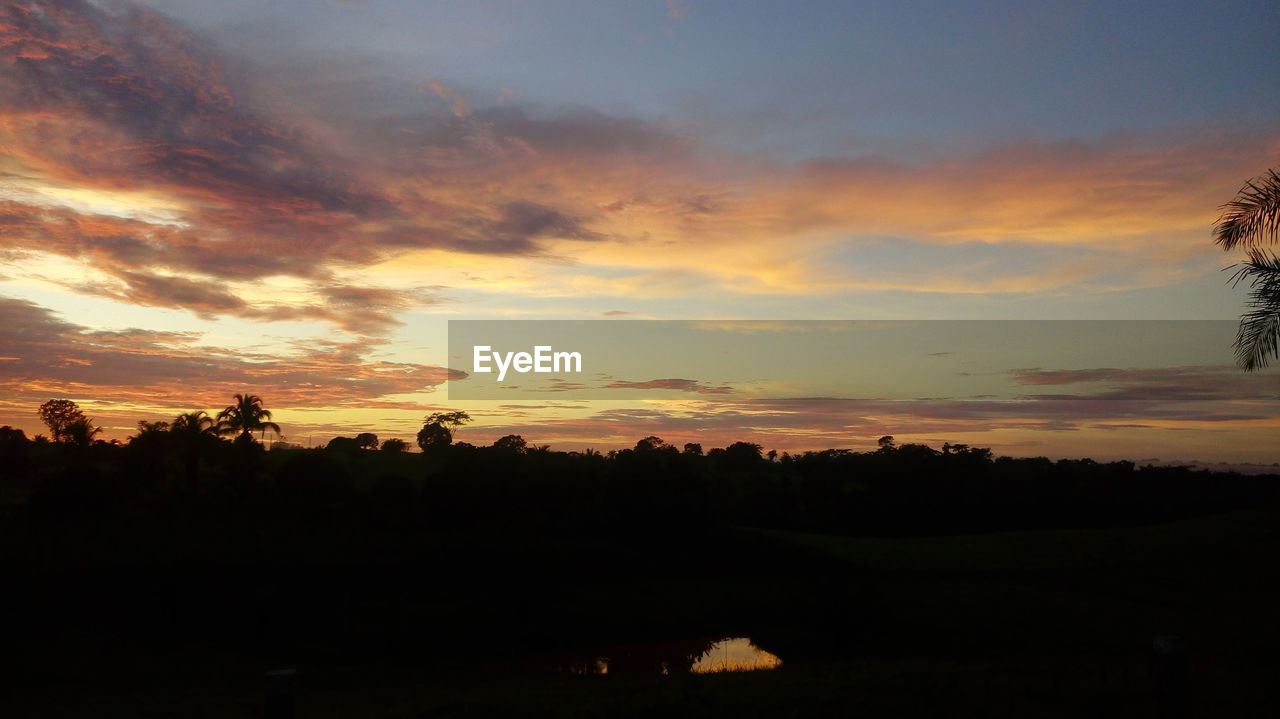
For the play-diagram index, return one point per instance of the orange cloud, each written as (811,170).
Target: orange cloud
(458,104)
(53,357)
(583,202)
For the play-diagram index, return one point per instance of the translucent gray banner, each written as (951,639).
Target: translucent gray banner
(856,359)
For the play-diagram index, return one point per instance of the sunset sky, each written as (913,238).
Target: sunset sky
(293,198)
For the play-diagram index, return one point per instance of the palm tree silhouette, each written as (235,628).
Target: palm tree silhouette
(81,432)
(1247,221)
(192,432)
(194,424)
(244,416)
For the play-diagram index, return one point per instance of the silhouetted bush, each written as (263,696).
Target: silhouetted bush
(15,449)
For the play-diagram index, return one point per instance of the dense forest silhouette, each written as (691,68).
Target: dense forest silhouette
(217,464)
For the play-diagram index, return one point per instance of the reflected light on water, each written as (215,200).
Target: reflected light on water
(703,656)
(735,654)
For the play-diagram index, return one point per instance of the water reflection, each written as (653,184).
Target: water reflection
(735,654)
(702,656)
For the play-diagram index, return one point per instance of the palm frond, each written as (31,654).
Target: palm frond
(1258,338)
(1253,216)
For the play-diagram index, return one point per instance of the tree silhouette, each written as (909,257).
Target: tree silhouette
(1258,338)
(14,449)
(80,432)
(194,425)
(650,443)
(511,443)
(436,432)
(742,455)
(244,416)
(10,436)
(1247,221)
(146,428)
(59,415)
(192,433)
(362,442)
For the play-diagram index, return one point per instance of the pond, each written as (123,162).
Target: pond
(697,656)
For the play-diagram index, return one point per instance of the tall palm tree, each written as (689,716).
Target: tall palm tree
(194,424)
(192,433)
(1248,221)
(244,416)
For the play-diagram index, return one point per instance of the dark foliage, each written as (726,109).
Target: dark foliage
(342,556)
(653,488)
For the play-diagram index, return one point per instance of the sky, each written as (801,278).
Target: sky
(294,198)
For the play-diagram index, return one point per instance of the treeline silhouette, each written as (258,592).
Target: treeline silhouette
(193,539)
(652,488)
